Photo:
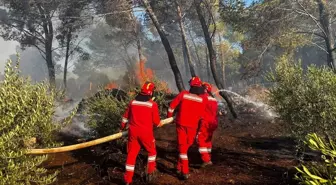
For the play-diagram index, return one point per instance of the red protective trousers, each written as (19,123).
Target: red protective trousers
(185,138)
(204,139)
(141,117)
(191,110)
(135,141)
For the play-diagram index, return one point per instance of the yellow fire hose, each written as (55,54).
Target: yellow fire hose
(89,143)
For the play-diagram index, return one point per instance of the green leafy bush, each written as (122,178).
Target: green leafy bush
(105,114)
(304,100)
(162,96)
(26,120)
(321,172)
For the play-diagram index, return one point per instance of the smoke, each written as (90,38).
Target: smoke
(7,48)
(32,64)
(77,127)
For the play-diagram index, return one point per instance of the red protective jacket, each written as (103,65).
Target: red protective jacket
(141,116)
(211,110)
(192,108)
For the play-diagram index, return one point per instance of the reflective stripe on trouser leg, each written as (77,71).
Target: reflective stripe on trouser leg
(133,150)
(184,163)
(149,145)
(203,150)
(184,156)
(151,158)
(130,168)
(151,164)
(205,154)
(129,173)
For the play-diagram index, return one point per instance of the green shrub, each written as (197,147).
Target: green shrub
(162,92)
(304,100)
(26,112)
(105,115)
(324,171)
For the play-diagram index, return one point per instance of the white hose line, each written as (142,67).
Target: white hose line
(89,143)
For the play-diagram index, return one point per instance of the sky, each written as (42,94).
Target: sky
(248,2)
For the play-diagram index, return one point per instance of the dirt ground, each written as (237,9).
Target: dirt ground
(248,151)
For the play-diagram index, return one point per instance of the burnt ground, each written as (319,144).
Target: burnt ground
(248,151)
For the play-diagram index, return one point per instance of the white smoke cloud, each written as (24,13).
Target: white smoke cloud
(6,48)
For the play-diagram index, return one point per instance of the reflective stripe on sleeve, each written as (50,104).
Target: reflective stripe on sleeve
(170,110)
(124,120)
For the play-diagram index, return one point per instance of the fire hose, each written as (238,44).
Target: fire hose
(89,143)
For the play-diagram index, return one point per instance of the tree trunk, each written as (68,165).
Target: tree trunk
(137,35)
(184,40)
(187,68)
(196,51)
(141,58)
(207,63)
(223,73)
(67,55)
(49,35)
(328,34)
(212,55)
(166,44)
(222,59)
(139,48)
(49,58)
(136,32)
(131,68)
(50,63)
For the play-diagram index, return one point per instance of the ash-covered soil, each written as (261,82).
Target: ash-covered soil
(247,151)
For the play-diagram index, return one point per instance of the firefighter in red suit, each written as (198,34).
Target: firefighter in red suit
(191,109)
(208,125)
(141,114)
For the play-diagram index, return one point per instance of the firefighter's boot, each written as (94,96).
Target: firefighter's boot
(151,176)
(205,164)
(185,176)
